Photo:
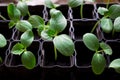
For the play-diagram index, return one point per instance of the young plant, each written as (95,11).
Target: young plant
(76,3)
(3,43)
(110,20)
(57,23)
(27,57)
(100,48)
(15,13)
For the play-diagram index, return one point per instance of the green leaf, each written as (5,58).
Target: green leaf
(45,35)
(116,65)
(64,45)
(57,22)
(117,24)
(91,41)
(50,4)
(75,3)
(11,24)
(28,60)
(23,26)
(40,29)
(106,25)
(106,48)
(27,38)
(17,49)
(13,13)
(3,41)
(102,10)
(98,63)
(36,21)
(22,6)
(114,11)
(89,0)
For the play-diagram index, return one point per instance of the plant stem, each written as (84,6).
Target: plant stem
(28,13)
(55,51)
(95,26)
(100,51)
(107,5)
(81,11)
(3,17)
(113,32)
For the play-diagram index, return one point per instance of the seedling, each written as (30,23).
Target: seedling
(15,13)
(27,57)
(110,20)
(76,3)
(57,23)
(100,48)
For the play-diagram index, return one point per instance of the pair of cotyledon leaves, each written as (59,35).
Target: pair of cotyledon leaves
(113,13)
(98,61)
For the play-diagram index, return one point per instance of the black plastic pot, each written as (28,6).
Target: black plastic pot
(4,29)
(88,12)
(48,57)
(15,60)
(83,56)
(86,74)
(81,27)
(115,45)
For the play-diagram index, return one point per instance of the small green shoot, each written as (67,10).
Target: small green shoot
(28,59)
(110,21)
(98,60)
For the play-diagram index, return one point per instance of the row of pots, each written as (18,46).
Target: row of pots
(75,67)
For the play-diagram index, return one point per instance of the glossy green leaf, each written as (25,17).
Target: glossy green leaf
(45,35)
(64,44)
(75,3)
(106,48)
(28,60)
(13,13)
(27,38)
(116,65)
(3,41)
(40,29)
(91,41)
(23,7)
(50,4)
(102,10)
(98,63)
(57,22)
(114,11)
(17,49)
(106,25)
(36,21)
(11,24)
(23,26)
(117,24)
